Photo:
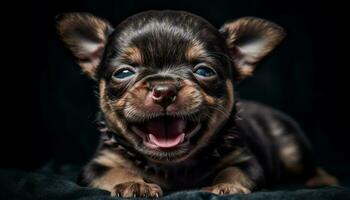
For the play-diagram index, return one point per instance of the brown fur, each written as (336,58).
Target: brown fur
(88,60)
(321,178)
(194,51)
(133,55)
(120,172)
(152,49)
(267,32)
(231,180)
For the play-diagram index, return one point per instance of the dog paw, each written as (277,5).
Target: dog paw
(137,189)
(322,178)
(227,188)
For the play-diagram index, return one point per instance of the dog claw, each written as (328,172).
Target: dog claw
(137,189)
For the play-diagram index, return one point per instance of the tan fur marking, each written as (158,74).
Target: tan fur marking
(246,70)
(322,178)
(231,180)
(133,54)
(103,97)
(230,94)
(210,100)
(235,157)
(290,156)
(234,175)
(194,51)
(87,52)
(113,177)
(121,171)
(218,118)
(191,97)
(99,26)
(267,30)
(245,55)
(111,159)
(288,150)
(107,108)
(88,68)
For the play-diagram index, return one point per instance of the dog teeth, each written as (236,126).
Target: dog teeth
(182,138)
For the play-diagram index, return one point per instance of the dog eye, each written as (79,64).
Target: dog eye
(123,73)
(204,71)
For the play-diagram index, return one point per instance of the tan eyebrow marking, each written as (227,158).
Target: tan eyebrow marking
(133,54)
(194,51)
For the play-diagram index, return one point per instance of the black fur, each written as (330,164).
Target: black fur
(258,134)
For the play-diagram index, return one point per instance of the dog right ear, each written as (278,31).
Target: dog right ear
(86,37)
(249,39)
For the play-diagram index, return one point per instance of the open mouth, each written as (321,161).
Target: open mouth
(165,132)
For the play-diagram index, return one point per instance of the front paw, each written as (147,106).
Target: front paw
(137,189)
(227,188)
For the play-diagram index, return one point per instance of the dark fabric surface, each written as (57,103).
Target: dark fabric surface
(44,184)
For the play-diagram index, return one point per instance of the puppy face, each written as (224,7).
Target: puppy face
(166,77)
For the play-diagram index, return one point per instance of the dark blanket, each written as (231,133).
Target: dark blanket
(46,185)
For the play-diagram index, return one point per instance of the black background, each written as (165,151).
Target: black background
(49,107)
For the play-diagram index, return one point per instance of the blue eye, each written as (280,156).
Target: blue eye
(204,71)
(123,73)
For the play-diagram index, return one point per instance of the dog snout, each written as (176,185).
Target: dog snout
(164,94)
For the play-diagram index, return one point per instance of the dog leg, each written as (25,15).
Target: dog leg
(231,180)
(321,178)
(110,172)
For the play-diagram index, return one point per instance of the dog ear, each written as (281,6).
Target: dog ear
(86,37)
(249,39)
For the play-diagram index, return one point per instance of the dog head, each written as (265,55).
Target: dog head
(166,78)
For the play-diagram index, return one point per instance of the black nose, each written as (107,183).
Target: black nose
(164,94)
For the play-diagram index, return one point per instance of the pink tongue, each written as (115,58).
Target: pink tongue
(166,142)
(166,132)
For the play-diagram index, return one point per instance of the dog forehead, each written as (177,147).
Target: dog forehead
(165,20)
(161,36)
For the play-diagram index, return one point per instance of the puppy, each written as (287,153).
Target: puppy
(170,118)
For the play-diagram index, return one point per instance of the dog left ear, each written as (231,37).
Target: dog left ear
(249,39)
(86,36)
